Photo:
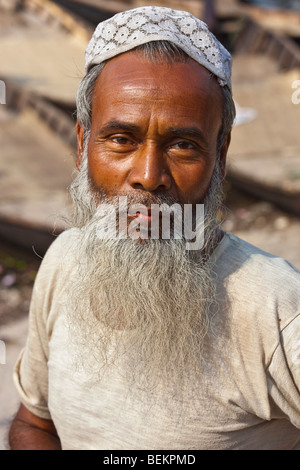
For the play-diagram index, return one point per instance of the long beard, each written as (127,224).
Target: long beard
(142,307)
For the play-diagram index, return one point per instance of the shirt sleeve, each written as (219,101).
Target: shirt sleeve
(31,371)
(284,374)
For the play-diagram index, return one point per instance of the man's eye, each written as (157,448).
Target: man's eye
(121,140)
(183,145)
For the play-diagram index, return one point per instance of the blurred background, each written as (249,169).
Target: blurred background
(42,46)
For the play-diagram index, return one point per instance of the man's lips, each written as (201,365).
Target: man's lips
(142,215)
(146,215)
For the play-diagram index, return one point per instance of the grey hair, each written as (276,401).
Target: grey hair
(157,52)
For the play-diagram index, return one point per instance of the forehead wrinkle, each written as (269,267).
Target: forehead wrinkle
(115,124)
(169,94)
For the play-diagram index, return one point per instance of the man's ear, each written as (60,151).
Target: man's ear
(223,155)
(79,132)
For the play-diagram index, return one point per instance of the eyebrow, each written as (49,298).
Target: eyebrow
(118,126)
(193,132)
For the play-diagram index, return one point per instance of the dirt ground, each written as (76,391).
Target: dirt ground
(264,225)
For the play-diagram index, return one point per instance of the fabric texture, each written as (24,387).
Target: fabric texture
(248,394)
(132,28)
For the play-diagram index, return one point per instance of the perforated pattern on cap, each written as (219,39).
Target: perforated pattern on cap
(131,28)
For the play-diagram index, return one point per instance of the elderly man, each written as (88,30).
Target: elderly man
(139,340)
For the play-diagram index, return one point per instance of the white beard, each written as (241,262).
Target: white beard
(157,290)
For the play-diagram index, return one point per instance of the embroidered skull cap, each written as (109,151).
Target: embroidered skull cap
(131,28)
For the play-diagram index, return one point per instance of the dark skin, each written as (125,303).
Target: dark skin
(29,432)
(154,129)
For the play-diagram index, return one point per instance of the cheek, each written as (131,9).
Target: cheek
(193,183)
(105,173)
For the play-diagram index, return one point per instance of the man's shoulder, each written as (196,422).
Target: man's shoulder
(60,254)
(63,243)
(244,255)
(258,280)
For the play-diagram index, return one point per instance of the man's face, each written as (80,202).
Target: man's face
(154,129)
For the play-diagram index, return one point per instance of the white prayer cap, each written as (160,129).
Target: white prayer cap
(132,28)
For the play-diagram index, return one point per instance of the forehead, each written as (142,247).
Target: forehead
(132,79)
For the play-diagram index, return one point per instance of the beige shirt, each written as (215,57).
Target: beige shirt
(248,395)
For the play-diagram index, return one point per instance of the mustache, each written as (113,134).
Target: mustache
(138,197)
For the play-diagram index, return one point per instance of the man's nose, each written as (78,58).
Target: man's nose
(150,170)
